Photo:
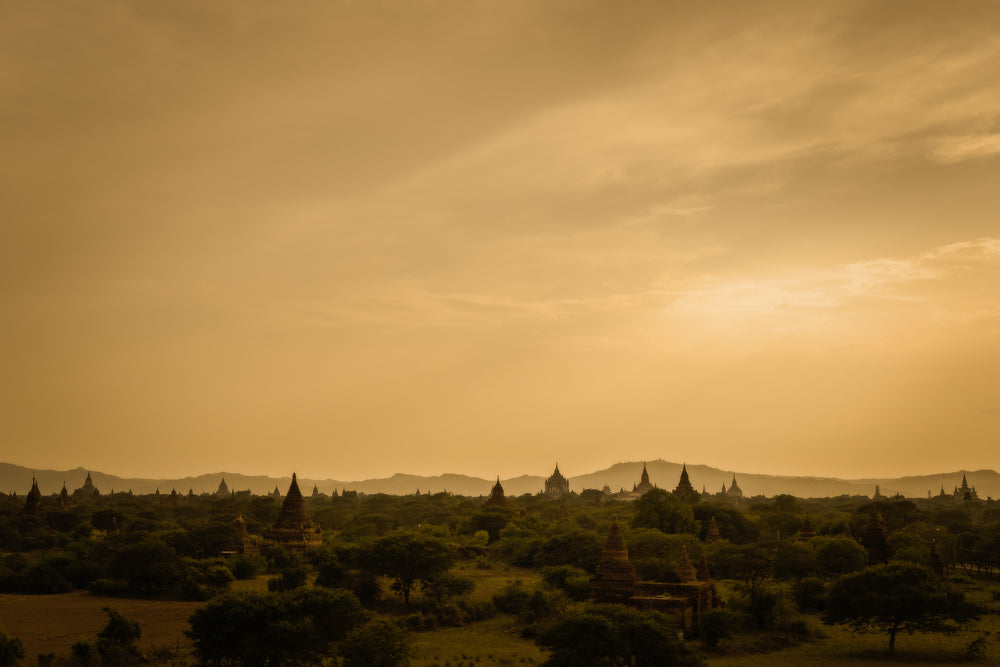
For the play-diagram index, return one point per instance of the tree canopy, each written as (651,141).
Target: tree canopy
(660,509)
(896,597)
(408,557)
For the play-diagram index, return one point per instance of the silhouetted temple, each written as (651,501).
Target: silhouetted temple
(65,502)
(33,502)
(497,496)
(276,493)
(686,598)
(244,545)
(293,529)
(642,487)
(684,490)
(644,483)
(315,493)
(734,490)
(615,578)
(556,485)
(223,490)
(88,489)
(965,492)
(712,535)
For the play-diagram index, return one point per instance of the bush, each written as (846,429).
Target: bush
(529,605)
(573,581)
(290,578)
(716,625)
(291,628)
(247,567)
(809,594)
(616,635)
(11,650)
(839,555)
(378,644)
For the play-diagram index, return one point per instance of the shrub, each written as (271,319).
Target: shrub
(378,644)
(247,567)
(716,625)
(11,650)
(809,594)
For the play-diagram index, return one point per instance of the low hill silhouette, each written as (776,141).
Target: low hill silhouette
(663,474)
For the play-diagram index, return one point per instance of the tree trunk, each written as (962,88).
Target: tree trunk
(892,638)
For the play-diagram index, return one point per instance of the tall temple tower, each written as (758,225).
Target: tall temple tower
(684,490)
(293,529)
(556,485)
(615,578)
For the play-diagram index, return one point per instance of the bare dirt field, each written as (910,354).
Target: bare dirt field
(52,623)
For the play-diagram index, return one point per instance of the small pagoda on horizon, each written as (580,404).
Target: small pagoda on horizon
(556,485)
(497,496)
(33,502)
(684,490)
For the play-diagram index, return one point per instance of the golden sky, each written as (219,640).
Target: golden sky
(356,238)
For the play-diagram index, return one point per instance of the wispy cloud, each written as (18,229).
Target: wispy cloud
(968,147)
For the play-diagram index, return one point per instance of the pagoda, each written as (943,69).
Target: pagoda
(497,496)
(734,490)
(223,490)
(713,535)
(88,488)
(244,544)
(644,483)
(685,570)
(556,485)
(615,578)
(65,502)
(33,503)
(293,529)
(684,490)
(965,492)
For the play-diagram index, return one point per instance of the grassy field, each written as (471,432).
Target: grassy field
(52,623)
(490,642)
(492,579)
(835,646)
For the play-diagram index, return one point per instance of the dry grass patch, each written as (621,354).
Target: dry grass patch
(53,623)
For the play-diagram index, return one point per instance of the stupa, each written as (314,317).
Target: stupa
(615,578)
(33,503)
(293,529)
(497,496)
(684,490)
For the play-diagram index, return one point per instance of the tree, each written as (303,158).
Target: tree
(893,598)
(258,630)
(611,635)
(580,548)
(409,557)
(839,555)
(378,644)
(659,509)
(116,643)
(11,650)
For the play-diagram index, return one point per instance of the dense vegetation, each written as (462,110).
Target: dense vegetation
(392,558)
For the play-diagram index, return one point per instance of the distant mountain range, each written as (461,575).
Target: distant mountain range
(663,474)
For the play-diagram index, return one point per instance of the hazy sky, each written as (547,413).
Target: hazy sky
(356,238)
